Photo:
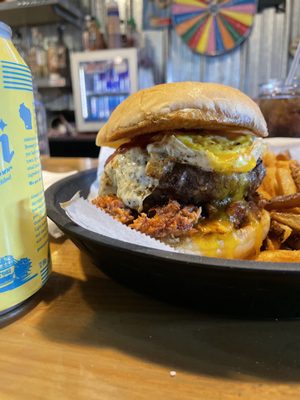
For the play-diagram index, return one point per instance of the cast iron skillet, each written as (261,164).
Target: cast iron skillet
(242,288)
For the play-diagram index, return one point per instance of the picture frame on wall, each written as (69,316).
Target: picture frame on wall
(156,14)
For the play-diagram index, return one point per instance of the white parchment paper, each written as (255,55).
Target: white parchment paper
(49,178)
(92,218)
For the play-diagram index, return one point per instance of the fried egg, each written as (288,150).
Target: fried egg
(134,174)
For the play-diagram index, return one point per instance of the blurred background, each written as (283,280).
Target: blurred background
(87,56)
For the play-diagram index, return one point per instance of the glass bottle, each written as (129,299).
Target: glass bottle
(53,57)
(32,57)
(131,33)
(37,56)
(96,41)
(62,54)
(85,33)
(113,25)
(280,105)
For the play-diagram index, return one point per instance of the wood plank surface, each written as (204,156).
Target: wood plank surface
(84,336)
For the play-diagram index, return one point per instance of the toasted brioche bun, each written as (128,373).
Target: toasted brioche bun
(182,105)
(240,244)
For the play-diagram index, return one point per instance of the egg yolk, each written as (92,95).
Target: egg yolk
(232,153)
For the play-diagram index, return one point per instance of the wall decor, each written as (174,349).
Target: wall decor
(213,27)
(156,14)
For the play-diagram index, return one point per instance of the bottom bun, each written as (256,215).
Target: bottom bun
(240,243)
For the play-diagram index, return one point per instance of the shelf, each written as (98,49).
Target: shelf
(107,94)
(59,110)
(39,12)
(48,84)
(82,145)
(89,136)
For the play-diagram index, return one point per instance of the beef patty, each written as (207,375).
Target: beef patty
(192,185)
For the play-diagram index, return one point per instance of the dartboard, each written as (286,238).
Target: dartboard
(213,27)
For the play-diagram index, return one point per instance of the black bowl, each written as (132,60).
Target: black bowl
(235,287)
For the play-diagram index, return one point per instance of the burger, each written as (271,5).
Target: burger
(186,167)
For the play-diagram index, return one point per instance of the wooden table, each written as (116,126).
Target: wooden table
(84,336)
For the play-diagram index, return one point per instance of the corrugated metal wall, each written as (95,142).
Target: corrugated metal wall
(295,19)
(263,55)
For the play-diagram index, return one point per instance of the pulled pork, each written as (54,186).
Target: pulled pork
(115,207)
(171,220)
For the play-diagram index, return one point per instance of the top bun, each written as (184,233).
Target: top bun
(182,105)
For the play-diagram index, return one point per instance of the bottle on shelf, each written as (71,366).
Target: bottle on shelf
(85,33)
(62,54)
(42,57)
(96,40)
(92,36)
(132,36)
(52,57)
(37,55)
(113,25)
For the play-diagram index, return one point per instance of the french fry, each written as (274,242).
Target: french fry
(293,210)
(283,202)
(285,156)
(282,163)
(295,170)
(272,244)
(291,220)
(281,231)
(280,195)
(279,256)
(269,159)
(269,183)
(286,184)
(264,194)
(294,242)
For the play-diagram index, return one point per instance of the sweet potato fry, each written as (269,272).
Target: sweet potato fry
(291,220)
(279,256)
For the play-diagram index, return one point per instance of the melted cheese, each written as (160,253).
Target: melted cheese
(227,154)
(241,243)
